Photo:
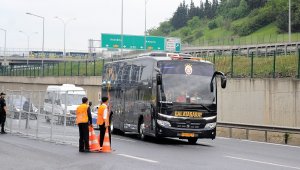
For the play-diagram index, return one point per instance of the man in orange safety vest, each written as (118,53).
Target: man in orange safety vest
(83,120)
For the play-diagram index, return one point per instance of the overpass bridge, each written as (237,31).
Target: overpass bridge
(257,49)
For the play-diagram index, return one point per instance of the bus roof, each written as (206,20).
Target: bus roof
(160,56)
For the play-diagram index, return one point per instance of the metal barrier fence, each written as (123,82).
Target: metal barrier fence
(255,66)
(248,40)
(32,113)
(274,65)
(65,68)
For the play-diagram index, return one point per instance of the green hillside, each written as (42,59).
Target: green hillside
(232,22)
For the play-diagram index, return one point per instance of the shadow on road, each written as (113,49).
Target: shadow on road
(163,141)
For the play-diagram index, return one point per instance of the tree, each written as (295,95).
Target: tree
(180,17)
(193,11)
(207,9)
(201,13)
(256,3)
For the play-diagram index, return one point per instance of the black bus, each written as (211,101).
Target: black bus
(163,95)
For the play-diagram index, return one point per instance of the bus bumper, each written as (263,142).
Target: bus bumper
(186,133)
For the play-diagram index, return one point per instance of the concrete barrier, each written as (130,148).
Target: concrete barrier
(260,101)
(251,101)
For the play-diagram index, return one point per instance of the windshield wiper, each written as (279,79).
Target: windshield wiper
(205,107)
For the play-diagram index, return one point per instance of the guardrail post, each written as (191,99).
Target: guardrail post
(43,72)
(47,69)
(103,62)
(232,63)
(274,65)
(65,68)
(86,65)
(230,132)
(266,136)
(71,68)
(34,71)
(252,55)
(247,134)
(298,63)
(78,68)
(94,67)
(58,69)
(214,58)
(38,70)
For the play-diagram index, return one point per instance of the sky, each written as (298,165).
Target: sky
(93,17)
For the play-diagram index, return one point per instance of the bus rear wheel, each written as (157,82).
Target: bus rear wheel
(192,140)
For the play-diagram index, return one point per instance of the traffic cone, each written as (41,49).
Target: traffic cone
(106,143)
(94,144)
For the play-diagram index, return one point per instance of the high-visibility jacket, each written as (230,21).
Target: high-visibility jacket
(82,114)
(100,119)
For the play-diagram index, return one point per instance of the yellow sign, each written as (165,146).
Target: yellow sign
(188,114)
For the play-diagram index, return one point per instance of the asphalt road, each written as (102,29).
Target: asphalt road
(129,153)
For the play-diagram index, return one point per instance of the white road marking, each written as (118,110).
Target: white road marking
(138,158)
(124,139)
(262,162)
(275,144)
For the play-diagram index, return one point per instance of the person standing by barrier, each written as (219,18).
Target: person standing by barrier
(2,112)
(83,120)
(102,119)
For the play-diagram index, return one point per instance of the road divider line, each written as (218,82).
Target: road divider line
(138,158)
(124,139)
(262,162)
(275,144)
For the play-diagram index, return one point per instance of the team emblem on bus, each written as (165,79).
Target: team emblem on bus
(188,69)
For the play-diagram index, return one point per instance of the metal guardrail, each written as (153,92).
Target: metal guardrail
(266,129)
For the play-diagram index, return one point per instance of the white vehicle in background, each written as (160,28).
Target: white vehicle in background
(63,101)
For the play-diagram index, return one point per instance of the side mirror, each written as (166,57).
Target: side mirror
(223,82)
(159,79)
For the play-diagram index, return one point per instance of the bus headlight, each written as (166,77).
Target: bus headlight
(164,123)
(210,125)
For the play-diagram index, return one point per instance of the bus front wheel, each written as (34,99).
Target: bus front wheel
(192,140)
(142,130)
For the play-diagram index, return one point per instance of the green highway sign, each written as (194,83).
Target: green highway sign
(133,42)
(155,43)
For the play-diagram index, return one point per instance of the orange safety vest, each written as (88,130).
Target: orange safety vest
(100,119)
(81,114)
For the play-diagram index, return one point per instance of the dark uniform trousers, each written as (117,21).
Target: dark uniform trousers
(2,121)
(102,129)
(83,136)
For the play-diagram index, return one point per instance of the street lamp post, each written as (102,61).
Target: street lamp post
(65,23)
(28,38)
(4,50)
(122,10)
(145,42)
(43,27)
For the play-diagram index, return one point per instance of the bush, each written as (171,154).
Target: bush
(212,24)
(264,17)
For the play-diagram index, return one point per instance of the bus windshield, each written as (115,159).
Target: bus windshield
(187,82)
(72,99)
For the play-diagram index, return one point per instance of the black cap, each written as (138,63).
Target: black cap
(2,93)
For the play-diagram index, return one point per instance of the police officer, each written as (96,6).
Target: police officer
(103,118)
(2,112)
(83,120)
